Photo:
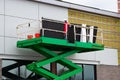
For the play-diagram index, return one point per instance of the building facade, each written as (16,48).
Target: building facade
(98,65)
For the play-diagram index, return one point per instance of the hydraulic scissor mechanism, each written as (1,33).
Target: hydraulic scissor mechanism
(65,38)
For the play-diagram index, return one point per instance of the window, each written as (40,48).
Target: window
(19,71)
(89,73)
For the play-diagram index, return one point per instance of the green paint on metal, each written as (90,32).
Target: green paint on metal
(55,58)
(46,47)
(53,42)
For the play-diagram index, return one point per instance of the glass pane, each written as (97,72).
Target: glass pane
(88,72)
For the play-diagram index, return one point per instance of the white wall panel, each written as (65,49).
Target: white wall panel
(84,56)
(53,12)
(108,56)
(21,8)
(1,45)
(10,48)
(1,6)
(11,24)
(1,25)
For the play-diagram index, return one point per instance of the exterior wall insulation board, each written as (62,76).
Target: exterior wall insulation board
(109,25)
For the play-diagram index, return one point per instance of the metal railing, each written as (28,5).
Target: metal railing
(98,37)
(30,28)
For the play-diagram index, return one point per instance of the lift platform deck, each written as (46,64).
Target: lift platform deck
(59,44)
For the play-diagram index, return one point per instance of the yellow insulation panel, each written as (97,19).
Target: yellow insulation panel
(109,25)
(119,57)
(119,61)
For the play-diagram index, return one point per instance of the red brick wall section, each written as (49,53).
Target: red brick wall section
(118,6)
(105,72)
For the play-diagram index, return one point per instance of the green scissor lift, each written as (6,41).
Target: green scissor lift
(47,47)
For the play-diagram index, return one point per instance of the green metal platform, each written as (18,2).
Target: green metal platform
(46,46)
